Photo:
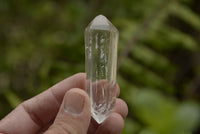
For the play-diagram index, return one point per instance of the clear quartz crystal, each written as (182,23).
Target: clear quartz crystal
(101,43)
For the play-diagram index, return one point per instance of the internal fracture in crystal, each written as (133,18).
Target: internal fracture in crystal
(101,43)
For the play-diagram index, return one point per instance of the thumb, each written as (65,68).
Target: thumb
(74,114)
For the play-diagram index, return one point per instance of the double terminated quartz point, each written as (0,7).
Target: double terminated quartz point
(101,42)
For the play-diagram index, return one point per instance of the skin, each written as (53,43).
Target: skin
(45,113)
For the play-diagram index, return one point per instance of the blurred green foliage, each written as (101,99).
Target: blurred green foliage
(42,43)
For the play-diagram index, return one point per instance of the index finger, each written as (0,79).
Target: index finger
(32,114)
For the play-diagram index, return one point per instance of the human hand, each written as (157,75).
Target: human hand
(63,108)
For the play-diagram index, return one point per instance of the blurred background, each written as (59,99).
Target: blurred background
(42,42)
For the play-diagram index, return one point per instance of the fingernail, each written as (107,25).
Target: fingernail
(74,103)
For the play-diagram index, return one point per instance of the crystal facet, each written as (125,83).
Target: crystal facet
(101,43)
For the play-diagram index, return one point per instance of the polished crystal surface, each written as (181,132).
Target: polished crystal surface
(101,43)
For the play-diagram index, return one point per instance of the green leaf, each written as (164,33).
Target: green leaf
(12,98)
